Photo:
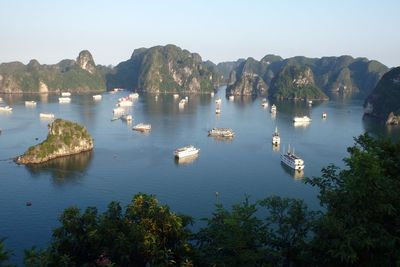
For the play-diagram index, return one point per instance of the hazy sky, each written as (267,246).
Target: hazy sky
(218,30)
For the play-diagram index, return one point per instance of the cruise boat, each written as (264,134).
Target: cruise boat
(324,115)
(65,94)
(46,115)
(30,103)
(302,119)
(273,108)
(118,110)
(221,132)
(276,139)
(97,97)
(186,151)
(64,99)
(218,101)
(127,118)
(134,96)
(264,103)
(142,127)
(293,161)
(5,108)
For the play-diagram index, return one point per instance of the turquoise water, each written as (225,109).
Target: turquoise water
(125,162)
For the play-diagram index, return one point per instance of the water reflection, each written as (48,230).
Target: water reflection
(65,169)
(297,175)
(276,148)
(185,160)
(303,124)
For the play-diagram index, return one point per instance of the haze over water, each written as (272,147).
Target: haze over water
(125,162)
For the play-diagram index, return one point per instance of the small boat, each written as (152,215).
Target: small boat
(97,97)
(324,115)
(134,96)
(118,110)
(231,97)
(264,103)
(118,90)
(276,139)
(30,103)
(182,103)
(217,110)
(176,96)
(64,99)
(292,161)
(124,102)
(273,108)
(142,127)
(186,151)
(46,115)
(221,132)
(218,101)
(6,108)
(212,94)
(309,102)
(65,94)
(302,119)
(127,118)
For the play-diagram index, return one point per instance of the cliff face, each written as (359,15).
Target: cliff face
(64,138)
(384,101)
(81,75)
(164,69)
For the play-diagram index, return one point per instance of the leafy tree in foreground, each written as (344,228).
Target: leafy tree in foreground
(361,225)
(5,254)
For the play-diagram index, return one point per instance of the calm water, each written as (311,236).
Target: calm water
(125,162)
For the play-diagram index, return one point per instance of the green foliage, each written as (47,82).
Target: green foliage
(361,224)
(5,254)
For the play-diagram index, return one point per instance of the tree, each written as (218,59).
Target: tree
(5,254)
(362,220)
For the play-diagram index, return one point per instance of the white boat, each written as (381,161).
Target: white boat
(176,96)
(142,127)
(302,119)
(124,102)
(273,108)
(6,108)
(212,94)
(134,96)
(118,110)
(221,132)
(64,99)
(97,97)
(182,103)
(276,139)
(309,102)
(218,101)
(231,97)
(186,151)
(292,161)
(264,103)
(46,115)
(118,90)
(65,94)
(30,103)
(217,110)
(127,118)
(324,115)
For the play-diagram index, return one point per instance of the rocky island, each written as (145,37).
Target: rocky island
(384,101)
(64,138)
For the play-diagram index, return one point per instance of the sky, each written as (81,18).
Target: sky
(219,30)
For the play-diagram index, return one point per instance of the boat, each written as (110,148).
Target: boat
(293,161)
(231,97)
(309,102)
(217,110)
(273,108)
(30,103)
(186,98)
(134,96)
(302,119)
(118,90)
(6,108)
(264,103)
(176,96)
(1,99)
(46,115)
(221,132)
(186,151)
(97,97)
(127,118)
(182,103)
(64,99)
(65,94)
(218,101)
(324,115)
(276,139)
(186,160)
(118,110)
(142,127)
(212,94)
(124,102)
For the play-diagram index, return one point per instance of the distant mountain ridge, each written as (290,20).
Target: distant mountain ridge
(80,75)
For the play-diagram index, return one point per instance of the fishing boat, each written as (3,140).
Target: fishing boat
(276,139)
(142,127)
(302,119)
(64,99)
(46,115)
(6,108)
(97,97)
(292,160)
(30,103)
(186,151)
(221,132)
(273,108)
(65,94)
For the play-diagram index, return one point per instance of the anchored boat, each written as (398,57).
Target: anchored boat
(221,132)
(302,119)
(276,139)
(293,161)
(186,151)
(142,127)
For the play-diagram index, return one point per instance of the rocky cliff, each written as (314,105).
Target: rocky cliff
(64,138)
(164,69)
(384,101)
(81,75)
